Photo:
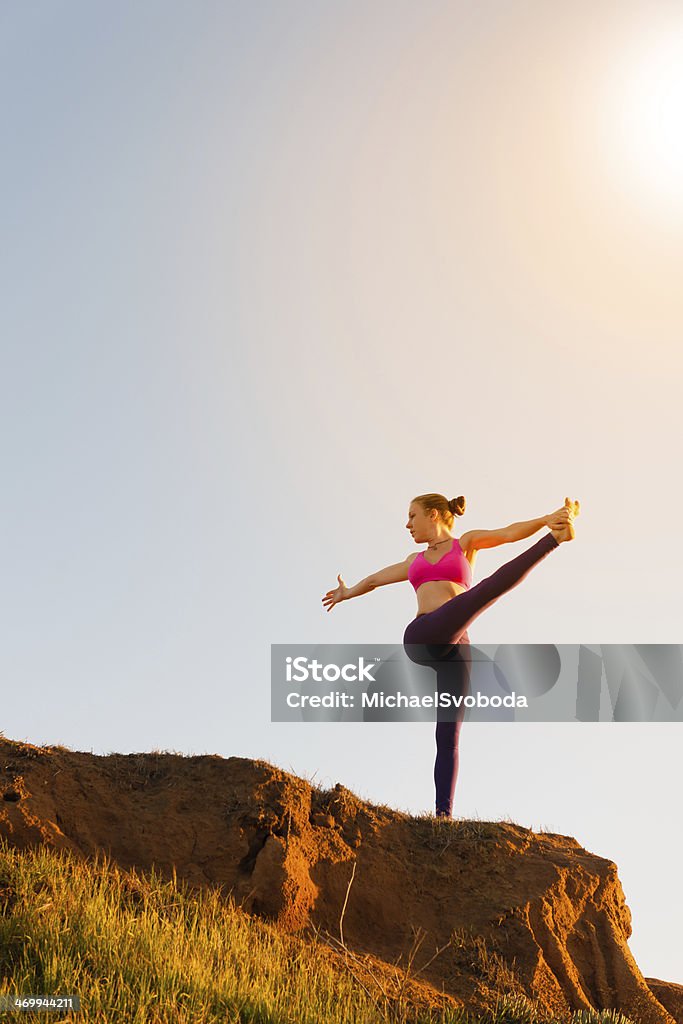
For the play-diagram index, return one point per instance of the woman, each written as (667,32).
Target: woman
(447,603)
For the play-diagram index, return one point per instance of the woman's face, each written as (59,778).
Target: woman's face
(420,523)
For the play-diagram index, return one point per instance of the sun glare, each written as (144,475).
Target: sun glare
(645,120)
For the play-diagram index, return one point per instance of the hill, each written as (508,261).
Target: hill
(476,909)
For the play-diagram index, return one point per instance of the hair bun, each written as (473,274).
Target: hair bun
(457,505)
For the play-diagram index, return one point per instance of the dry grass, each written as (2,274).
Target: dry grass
(141,950)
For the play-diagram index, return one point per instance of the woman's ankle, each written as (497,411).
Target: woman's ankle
(564,533)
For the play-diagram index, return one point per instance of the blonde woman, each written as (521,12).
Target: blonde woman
(447,603)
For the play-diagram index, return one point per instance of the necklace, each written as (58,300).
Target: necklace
(430,546)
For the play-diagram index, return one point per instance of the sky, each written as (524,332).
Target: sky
(268,272)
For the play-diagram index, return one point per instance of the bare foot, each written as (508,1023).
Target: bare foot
(565,531)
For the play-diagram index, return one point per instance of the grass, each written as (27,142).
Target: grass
(138,949)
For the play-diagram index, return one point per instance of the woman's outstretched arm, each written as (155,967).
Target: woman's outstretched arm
(474,540)
(477,539)
(396,573)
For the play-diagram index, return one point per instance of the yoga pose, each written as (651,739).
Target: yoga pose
(447,603)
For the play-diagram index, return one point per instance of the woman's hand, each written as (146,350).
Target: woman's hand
(562,516)
(556,520)
(333,597)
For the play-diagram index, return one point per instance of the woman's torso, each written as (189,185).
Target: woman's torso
(433,593)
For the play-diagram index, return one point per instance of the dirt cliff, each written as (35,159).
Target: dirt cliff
(669,995)
(482,908)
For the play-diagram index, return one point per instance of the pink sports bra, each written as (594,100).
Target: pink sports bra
(452,566)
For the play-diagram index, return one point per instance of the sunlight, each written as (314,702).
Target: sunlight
(645,120)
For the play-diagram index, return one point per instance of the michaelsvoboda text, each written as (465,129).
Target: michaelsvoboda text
(341,699)
(302,669)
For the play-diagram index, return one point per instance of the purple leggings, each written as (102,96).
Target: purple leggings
(442,637)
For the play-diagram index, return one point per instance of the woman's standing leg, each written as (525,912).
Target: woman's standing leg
(453,678)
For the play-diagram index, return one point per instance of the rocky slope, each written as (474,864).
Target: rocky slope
(479,908)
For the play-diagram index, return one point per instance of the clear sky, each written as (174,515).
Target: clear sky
(268,271)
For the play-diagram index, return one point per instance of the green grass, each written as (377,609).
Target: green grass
(139,949)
